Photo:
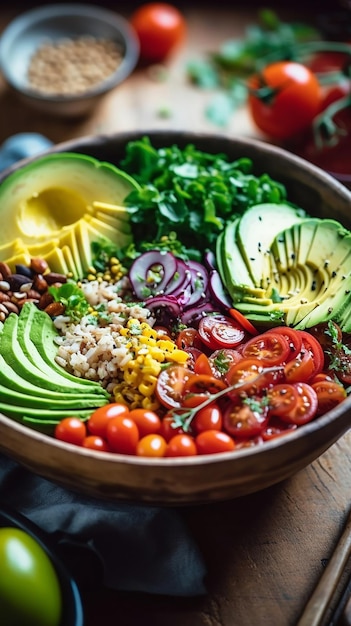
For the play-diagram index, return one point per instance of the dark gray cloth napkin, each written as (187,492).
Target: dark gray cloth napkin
(127,547)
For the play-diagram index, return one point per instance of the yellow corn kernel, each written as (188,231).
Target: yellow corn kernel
(150,403)
(179,356)
(157,354)
(147,340)
(130,377)
(166,345)
(147,386)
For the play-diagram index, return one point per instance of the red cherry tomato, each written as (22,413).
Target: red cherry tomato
(208,418)
(122,435)
(282,398)
(306,407)
(301,368)
(219,331)
(245,419)
(315,349)
(181,445)
(71,430)
(276,428)
(202,384)
(202,365)
(152,445)
(94,442)
(250,377)
(147,421)
(159,27)
(284,99)
(168,428)
(97,422)
(188,338)
(270,348)
(214,442)
(329,395)
(221,361)
(293,338)
(170,385)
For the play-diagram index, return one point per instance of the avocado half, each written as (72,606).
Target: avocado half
(47,204)
(280,265)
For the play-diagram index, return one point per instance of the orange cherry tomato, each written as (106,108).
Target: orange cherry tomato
(94,442)
(152,445)
(181,445)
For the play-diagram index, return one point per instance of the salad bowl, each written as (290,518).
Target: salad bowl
(207,477)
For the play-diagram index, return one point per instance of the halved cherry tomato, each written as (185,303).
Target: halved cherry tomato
(282,398)
(181,445)
(208,418)
(71,430)
(246,418)
(342,364)
(221,361)
(326,333)
(306,407)
(312,344)
(170,385)
(202,383)
(293,338)
(276,428)
(202,365)
(270,348)
(188,338)
(249,376)
(168,428)
(329,394)
(219,331)
(301,368)
(214,442)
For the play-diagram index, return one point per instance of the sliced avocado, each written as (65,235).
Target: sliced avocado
(19,413)
(99,229)
(53,191)
(16,355)
(36,336)
(257,228)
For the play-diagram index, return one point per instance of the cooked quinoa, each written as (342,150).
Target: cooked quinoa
(117,346)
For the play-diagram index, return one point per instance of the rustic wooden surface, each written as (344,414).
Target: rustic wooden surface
(265,552)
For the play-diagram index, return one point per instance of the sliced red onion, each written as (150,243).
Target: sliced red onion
(198,284)
(180,280)
(164,307)
(138,273)
(192,316)
(217,290)
(210,260)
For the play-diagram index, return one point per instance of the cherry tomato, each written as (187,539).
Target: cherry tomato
(95,442)
(122,434)
(282,398)
(97,422)
(208,418)
(219,331)
(245,418)
(293,338)
(283,99)
(312,344)
(276,428)
(71,430)
(168,428)
(221,361)
(214,442)
(170,385)
(342,364)
(181,445)
(188,338)
(147,421)
(324,333)
(329,394)
(159,27)
(270,348)
(300,369)
(202,383)
(202,365)
(152,445)
(306,407)
(249,375)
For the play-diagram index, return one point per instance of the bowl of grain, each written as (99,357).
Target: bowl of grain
(61,59)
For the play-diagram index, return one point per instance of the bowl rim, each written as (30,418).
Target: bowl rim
(19,25)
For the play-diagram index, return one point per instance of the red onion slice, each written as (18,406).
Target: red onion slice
(139,273)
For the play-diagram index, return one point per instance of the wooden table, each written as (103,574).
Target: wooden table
(265,552)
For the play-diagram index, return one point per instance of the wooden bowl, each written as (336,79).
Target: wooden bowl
(206,478)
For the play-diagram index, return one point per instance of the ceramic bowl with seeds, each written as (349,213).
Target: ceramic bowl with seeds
(61,59)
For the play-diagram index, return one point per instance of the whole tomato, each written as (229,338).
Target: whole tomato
(284,99)
(30,591)
(159,27)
